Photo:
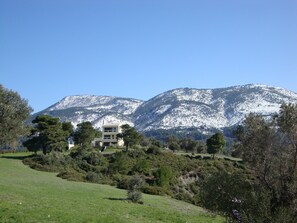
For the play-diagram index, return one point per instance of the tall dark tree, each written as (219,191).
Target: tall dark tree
(258,137)
(215,143)
(269,149)
(68,127)
(287,121)
(13,112)
(269,153)
(84,134)
(47,134)
(129,135)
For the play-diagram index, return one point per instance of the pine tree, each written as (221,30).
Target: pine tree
(129,135)
(47,135)
(84,134)
(215,143)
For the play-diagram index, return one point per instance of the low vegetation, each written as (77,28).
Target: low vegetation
(28,195)
(162,172)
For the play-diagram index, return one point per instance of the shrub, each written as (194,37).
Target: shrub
(120,163)
(134,186)
(52,162)
(122,181)
(135,183)
(84,165)
(96,158)
(184,196)
(72,175)
(154,190)
(135,196)
(163,176)
(153,150)
(94,177)
(141,166)
(136,153)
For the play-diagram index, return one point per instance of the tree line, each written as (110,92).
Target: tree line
(50,134)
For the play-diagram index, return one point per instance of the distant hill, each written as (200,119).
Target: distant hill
(201,110)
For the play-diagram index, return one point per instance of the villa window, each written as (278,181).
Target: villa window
(110,129)
(107,136)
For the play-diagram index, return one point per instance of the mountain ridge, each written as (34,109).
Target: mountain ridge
(182,108)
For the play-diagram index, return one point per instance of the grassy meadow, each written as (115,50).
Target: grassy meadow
(27,195)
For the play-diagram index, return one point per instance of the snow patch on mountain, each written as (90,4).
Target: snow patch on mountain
(162,109)
(210,108)
(185,94)
(92,102)
(178,108)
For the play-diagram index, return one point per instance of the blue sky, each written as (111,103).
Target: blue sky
(130,48)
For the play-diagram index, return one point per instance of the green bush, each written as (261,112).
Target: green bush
(141,167)
(184,196)
(154,190)
(94,177)
(154,150)
(96,158)
(72,175)
(122,181)
(52,162)
(163,176)
(136,153)
(135,184)
(135,196)
(120,163)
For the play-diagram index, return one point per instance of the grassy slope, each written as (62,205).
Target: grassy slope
(27,195)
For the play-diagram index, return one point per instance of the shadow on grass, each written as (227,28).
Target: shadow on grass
(20,157)
(116,199)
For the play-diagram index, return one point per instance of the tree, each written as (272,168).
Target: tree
(68,127)
(173,143)
(47,134)
(215,143)
(192,146)
(257,137)
(269,152)
(129,135)
(235,196)
(200,147)
(84,134)
(287,121)
(13,112)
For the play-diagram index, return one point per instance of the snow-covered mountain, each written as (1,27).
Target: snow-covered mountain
(181,108)
(96,109)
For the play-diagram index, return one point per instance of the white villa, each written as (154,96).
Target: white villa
(70,142)
(109,135)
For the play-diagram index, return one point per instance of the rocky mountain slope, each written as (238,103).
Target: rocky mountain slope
(183,108)
(96,109)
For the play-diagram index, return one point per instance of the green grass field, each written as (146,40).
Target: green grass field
(27,195)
